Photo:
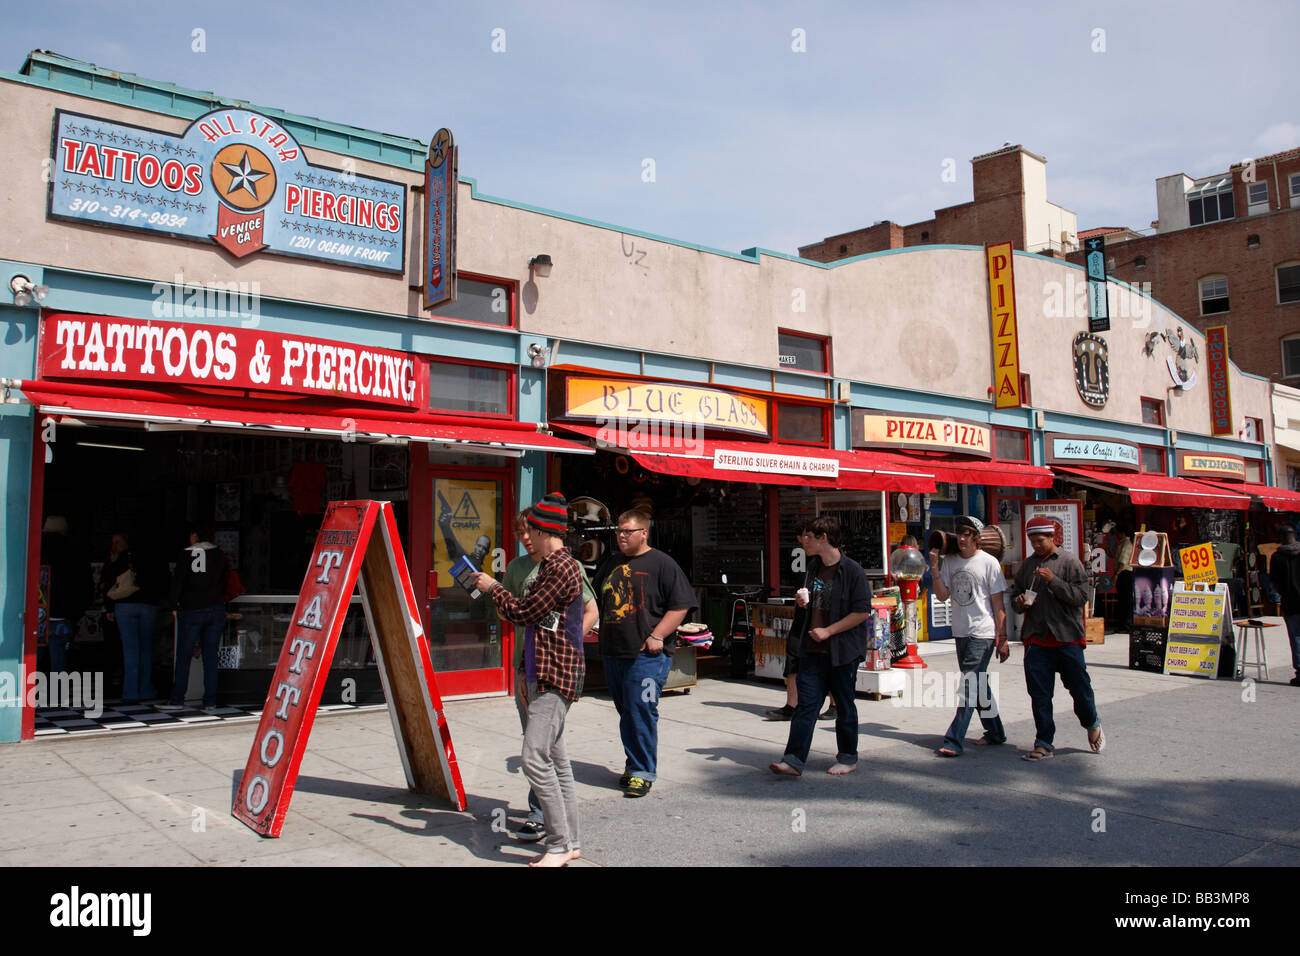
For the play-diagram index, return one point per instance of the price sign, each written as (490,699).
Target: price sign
(1198,564)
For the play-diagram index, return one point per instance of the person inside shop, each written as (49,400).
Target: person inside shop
(114,566)
(791,669)
(1051,591)
(552,607)
(519,574)
(135,592)
(1284,572)
(199,608)
(973,579)
(69,593)
(644,597)
(1124,578)
(833,642)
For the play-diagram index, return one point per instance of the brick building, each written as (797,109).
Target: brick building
(1010,204)
(1226,251)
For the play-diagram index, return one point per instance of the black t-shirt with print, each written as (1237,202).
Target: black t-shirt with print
(819,607)
(635,594)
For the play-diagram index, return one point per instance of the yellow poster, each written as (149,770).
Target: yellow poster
(1193,659)
(1195,613)
(465,523)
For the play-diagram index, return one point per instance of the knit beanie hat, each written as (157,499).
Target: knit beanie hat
(551,514)
(969,521)
(1041,525)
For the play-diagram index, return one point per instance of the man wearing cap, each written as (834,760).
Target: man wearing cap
(1051,590)
(553,661)
(973,579)
(1284,569)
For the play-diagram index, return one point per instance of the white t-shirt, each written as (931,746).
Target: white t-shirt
(972,582)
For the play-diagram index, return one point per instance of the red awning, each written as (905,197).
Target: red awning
(669,455)
(225,413)
(974,472)
(1278,498)
(1148,489)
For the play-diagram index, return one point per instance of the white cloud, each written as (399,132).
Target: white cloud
(1278,137)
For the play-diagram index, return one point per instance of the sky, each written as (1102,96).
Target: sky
(767,124)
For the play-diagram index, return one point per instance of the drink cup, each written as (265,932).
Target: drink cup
(1030,597)
(803,595)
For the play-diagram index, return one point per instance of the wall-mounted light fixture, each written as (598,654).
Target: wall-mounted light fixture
(1040,419)
(1173,437)
(24,290)
(538,355)
(540,265)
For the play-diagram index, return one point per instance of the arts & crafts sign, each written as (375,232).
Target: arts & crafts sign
(235,178)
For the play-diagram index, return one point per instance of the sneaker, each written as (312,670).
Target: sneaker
(623,781)
(170,707)
(780,713)
(1295,681)
(636,787)
(210,710)
(830,713)
(530,831)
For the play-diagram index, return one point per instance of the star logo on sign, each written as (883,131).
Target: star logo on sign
(243,176)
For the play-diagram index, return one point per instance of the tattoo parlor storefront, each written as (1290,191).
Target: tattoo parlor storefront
(156,427)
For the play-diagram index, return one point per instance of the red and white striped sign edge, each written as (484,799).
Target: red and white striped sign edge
(339,589)
(419,645)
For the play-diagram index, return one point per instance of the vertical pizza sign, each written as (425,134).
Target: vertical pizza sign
(357,538)
(1006,344)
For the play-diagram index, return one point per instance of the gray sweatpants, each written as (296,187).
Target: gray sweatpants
(546,766)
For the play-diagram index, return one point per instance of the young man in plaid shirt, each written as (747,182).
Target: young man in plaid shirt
(553,657)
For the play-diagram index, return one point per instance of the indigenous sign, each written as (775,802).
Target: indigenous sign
(610,400)
(727,459)
(180,353)
(440,178)
(1193,463)
(357,538)
(1078,449)
(1006,344)
(1095,265)
(234,177)
(1216,347)
(882,430)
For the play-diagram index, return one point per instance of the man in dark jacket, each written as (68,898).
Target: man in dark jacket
(1284,569)
(833,643)
(199,603)
(71,588)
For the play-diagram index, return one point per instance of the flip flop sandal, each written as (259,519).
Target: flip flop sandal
(947,753)
(1099,744)
(1036,754)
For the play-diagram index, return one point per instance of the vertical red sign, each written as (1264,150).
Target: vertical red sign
(1216,348)
(357,538)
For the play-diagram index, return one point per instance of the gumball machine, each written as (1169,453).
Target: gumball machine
(907,566)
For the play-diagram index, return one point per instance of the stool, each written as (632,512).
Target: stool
(1260,663)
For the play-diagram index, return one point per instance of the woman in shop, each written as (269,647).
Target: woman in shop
(137,585)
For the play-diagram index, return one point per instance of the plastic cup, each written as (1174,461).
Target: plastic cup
(1030,597)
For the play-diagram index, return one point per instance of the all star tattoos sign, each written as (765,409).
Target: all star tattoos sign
(233,177)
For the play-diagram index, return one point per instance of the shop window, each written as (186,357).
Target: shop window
(1256,198)
(1214,295)
(1011,444)
(1291,357)
(480,300)
(1153,411)
(803,353)
(1288,283)
(1252,429)
(1210,202)
(474,389)
(801,423)
(1255,471)
(1153,459)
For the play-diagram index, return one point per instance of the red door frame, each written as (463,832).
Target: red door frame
(484,680)
(36,496)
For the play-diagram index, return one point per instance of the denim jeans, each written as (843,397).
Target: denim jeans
(1042,664)
(816,676)
(60,634)
(206,625)
(524,692)
(973,656)
(135,622)
(546,765)
(1293,632)
(635,684)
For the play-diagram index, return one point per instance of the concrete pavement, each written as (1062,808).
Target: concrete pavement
(1196,773)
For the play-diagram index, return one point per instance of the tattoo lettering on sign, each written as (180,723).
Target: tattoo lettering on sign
(325,560)
(311,616)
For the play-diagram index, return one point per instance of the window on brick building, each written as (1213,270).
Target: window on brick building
(1214,295)
(1288,283)
(1295,189)
(1153,411)
(1291,357)
(1256,198)
(1210,202)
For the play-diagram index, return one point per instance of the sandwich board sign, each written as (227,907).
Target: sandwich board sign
(1200,621)
(357,545)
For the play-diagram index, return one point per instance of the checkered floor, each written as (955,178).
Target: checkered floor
(119,717)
